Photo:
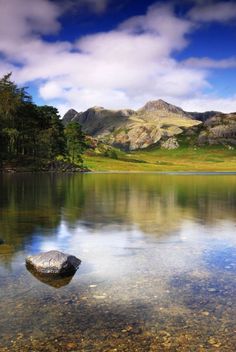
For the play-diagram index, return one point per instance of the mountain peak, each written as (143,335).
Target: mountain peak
(97,108)
(160,104)
(71,112)
(69,116)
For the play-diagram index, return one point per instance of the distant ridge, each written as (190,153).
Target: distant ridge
(203,116)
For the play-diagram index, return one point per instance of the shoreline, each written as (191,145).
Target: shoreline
(184,173)
(167,172)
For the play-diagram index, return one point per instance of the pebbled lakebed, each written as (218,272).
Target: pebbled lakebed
(158,262)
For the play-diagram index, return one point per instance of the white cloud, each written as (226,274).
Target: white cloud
(51,90)
(206,62)
(25,17)
(209,103)
(161,20)
(214,11)
(121,68)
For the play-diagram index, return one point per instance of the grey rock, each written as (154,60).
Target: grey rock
(203,138)
(53,262)
(171,143)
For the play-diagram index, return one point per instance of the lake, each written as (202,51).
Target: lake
(158,262)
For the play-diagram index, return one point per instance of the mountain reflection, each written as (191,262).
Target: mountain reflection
(36,205)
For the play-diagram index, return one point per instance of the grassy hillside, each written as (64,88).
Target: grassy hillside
(182,159)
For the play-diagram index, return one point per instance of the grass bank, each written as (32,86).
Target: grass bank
(183,159)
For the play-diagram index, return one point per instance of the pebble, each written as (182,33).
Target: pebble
(71,345)
(214,342)
(205,313)
(99,297)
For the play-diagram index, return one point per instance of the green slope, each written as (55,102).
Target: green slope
(183,159)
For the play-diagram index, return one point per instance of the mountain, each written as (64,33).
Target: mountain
(156,123)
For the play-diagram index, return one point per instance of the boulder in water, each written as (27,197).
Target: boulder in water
(53,262)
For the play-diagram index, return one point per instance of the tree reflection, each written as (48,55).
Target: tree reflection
(156,204)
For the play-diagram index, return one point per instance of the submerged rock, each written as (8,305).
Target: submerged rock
(53,280)
(53,262)
(1,241)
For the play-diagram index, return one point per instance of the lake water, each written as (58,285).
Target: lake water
(158,268)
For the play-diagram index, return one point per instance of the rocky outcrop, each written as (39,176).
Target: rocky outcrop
(219,129)
(170,143)
(63,166)
(53,262)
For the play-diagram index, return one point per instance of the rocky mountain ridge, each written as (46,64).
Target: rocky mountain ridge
(156,123)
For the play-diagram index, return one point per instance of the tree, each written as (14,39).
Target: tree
(27,123)
(31,134)
(75,140)
(11,135)
(52,132)
(11,97)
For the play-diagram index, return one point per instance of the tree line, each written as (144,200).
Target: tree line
(32,134)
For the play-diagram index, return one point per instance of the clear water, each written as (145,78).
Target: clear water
(158,262)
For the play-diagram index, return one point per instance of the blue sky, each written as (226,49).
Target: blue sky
(120,54)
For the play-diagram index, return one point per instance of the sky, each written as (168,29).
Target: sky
(121,54)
